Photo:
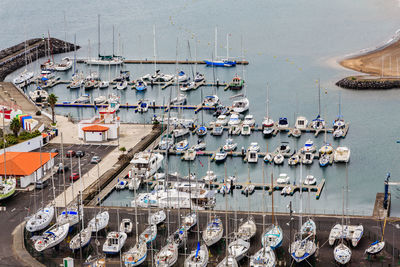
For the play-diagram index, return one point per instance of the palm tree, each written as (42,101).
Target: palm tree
(52,100)
(15,126)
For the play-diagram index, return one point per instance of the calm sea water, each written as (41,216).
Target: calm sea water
(290,44)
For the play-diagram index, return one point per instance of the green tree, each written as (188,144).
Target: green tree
(52,100)
(15,126)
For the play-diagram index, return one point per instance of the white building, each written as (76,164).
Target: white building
(100,128)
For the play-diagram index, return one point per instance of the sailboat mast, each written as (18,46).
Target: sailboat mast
(227,46)
(65,33)
(226,223)
(154,48)
(301,196)
(267,101)
(319,98)
(263,198)
(272,198)
(136,220)
(215,42)
(53,187)
(63,172)
(98,34)
(113,41)
(74,53)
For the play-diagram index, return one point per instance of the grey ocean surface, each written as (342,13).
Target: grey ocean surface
(289,44)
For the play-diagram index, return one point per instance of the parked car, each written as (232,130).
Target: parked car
(54,150)
(62,168)
(80,154)
(74,176)
(95,159)
(40,184)
(70,153)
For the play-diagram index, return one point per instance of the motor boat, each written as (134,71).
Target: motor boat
(310,180)
(278,159)
(247,229)
(182,145)
(342,254)
(318,123)
(7,187)
(252,156)
(283,179)
(182,77)
(237,83)
(189,154)
(283,148)
(140,85)
(294,159)
(220,156)
(267,126)
(249,120)
(326,149)
(123,76)
(199,77)
(268,158)
(265,257)
(272,237)
(324,160)
(234,119)
(167,256)
(52,237)
(65,64)
(187,86)
(201,131)
(238,248)
(222,120)
(229,145)
(221,110)
(254,147)
(225,189)
(70,215)
(121,184)
(201,145)
(38,95)
(308,158)
(210,177)
(83,99)
(122,85)
(246,129)
(301,123)
(81,239)
(41,219)
(283,123)
(308,147)
(101,99)
(228,261)
(180,99)
(157,217)
(211,101)
(342,154)
(114,242)
(146,164)
(241,105)
(375,248)
(99,221)
(198,257)
(217,130)
(166,142)
(142,106)
(149,234)
(136,255)
(104,84)
(126,226)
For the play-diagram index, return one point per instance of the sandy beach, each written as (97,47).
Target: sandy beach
(380,62)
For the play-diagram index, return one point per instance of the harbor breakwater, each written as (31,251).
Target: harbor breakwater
(367,83)
(13,58)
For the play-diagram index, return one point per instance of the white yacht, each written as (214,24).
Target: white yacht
(220,156)
(279,159)
(182,77)
(234,119)
(146,164)
(339,126)
(241,105)
(310,180)
(229,145)
(238,248)
(70,215)
(210,177)
(249,120)
(181,131)
(342,154)
(301,123)
(308,147)
(65,64)
(254,146)
(126,226)
(7,187)
(272,237)
(41,219)
(308,158)
(114,242)
(38,95)
(101,99)
(283,179)
(265,257)
(23,77)
(246,130)
(149,234)
(157,217)
(283,148)
(247,229)
(301,249)
(122,85)
(252,156)
(222,120)
(228,261)
(83,99)
(213,232)
(198,257)
(99,221)
(268,126)
(52,237)
(180,99)
(211,101)
(136,255)
(294,159)
(182,145)
(81,239)
(342,254)
(167,256)
(166,142)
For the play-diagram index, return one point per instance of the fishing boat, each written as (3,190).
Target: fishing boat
(229,145)
(237,83)
(7,187)
(157,217)
(180,99)
(201,131)
(283,123)
(246,130)
(342,154)
(99,221)
(238,248)
(39,95)
(279,159)
(217,130)
(301,123)
(182,145)
(201,145)
(41,219)
(140,85)
(126,226)
(310,180)
(167,256)
(308,158)
(149,234)
(220,156)
(211,101)
(213,232)
(265,257)
(114,242)
(199,77)
(294,159)
(241,104)
(52,237)
(247,229)
(308,147)
(145,164)
(81,239)
(198,257)
(283,179)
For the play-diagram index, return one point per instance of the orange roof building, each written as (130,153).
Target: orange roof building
(95,128)
(27,166)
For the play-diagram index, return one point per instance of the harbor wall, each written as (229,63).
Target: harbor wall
(357,83)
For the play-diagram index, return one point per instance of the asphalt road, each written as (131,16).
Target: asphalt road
(23,203)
